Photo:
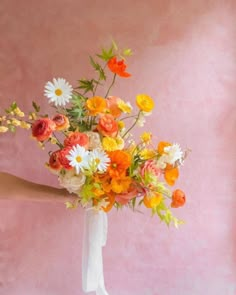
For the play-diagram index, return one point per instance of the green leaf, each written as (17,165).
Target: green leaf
(106,54)
(127,52)
(36,107)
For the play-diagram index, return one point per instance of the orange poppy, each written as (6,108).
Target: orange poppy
(120,161)
(111,199)
(161,146)
(96,105)
(118,67)
(178,198)
(171,174)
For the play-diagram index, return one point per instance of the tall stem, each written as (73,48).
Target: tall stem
(135,122)
(112,83)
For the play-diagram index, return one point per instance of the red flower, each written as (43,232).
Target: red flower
(43,128)
(118,67)
(54,162)
(63,159)
(178,199)
(77,138)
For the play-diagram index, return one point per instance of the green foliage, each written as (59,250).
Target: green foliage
(98,68)
(107,54)
(36,107)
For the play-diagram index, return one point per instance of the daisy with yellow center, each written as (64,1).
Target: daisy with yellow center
(78,158)
(145,102)
(59,91)
(99,160)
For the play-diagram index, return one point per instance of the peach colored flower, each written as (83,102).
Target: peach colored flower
(94,140)
(96,105)
(107,126)
(118,67)
(61,121)
(42,128)
(120,161)
(112,106)
(77,138)
(54,162)
(178,198)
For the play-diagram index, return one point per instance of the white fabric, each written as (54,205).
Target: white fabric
(95,236)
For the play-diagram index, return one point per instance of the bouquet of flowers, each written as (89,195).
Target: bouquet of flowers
(94,154)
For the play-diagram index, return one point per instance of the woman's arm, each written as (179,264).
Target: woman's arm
(15,188)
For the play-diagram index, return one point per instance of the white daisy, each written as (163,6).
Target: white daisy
(173,153)
(78,157)
(99,160)
(59,92)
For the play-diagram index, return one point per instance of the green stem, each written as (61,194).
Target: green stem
(112,83)
(135,122)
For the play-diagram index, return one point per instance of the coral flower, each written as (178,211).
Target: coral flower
(54,162)
(77,138)
(178,199)
(62,157)
(112,105)
(61,121)
(42,128)
(171,174)
(145,103)
(120,161)
(107,126)
(96,105)
(118,67)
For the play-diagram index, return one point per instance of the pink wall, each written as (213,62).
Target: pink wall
(185,58)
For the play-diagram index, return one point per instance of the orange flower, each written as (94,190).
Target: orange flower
(42,129)
(124,198)
(96,105)
(61,121)
(161,146)
(110,198)
(171,174)
(120,161)
(178,199)
(54,162)
(118,67)
(75,138)
(153,201)
(107,126)
(120,184)
(112,105)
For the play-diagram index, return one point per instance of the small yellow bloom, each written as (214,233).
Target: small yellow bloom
(145,102)
(120,142)
(146,154)
(121,125)
(24,125)
(3,129)
(3,118)
(15,122)
(146,137)
(124,107)
(18,112)
(109,144)
(32,116)
(53,140)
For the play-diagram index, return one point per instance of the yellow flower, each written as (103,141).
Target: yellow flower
(24,125)
(3,129)
(146,154)
(121,124)
(120,184)
(145,102)
(124,107)
(109,144)
(15,122)
(146,137)
(153,200)
(120,142)
(96,105)
(53,140)
(18,112)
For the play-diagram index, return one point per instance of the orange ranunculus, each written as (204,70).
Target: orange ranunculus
(152,201)
(120,161)
(171,174)
(54,162)
(42,128)
(118,67)
(112,106)
(61,121)
(96,105)
(107,126)
(178,198)
(77,138)
(161,146)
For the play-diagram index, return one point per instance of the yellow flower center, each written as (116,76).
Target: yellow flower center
(58,92)
(97,161)
(78,159)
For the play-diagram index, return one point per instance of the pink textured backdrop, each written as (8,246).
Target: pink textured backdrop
(184,57)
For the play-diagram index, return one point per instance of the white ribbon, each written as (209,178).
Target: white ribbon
(95,236)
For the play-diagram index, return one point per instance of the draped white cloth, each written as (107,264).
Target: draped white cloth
(95,236)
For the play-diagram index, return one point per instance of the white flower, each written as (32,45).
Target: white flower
(59,92)
(173,153)
(78,158)
(94,140)
(161,162)
(99,160)
(141,120)
(71,181)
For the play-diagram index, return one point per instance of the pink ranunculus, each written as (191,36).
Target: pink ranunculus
(77,138)
(42,128)
(61,121)
(107,126)
(63,159)
(150,168)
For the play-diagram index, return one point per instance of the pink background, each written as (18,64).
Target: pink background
(184,57)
